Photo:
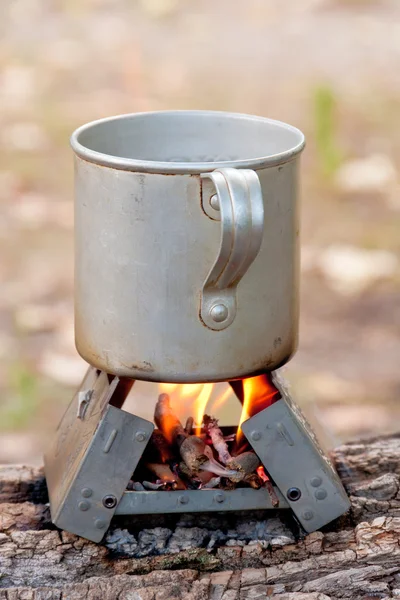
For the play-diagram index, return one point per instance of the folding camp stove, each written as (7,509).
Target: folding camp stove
(98,446)
(186,271)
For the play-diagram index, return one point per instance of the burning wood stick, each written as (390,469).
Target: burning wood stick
(135,486)
(168,422)
(212,483)
(149,485)
(217,438)
(164,473)
(244,465)
(189,425)
(198,456)
(193,453)
(270,488)
(158,449)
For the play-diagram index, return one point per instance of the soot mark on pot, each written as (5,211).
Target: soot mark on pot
(277,342)
(145,366)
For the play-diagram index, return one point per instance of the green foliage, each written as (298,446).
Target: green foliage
(23,401)
(329,154)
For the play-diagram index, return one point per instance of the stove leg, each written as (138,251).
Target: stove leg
(96,449)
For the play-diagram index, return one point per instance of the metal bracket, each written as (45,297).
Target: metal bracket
(141,503)
(94,454)
(287,447)
(92,458)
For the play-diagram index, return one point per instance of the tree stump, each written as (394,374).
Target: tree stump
(358,556)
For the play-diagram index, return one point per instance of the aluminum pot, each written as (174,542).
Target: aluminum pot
(187,233)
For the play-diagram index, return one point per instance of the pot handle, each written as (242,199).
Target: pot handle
(234,197)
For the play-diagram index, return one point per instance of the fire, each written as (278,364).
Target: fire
(193,399)
(258,393)
(189,398)
(220,401)
(200,405)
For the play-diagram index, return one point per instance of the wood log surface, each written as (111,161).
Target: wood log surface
(356,557)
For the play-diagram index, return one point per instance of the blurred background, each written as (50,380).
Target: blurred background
(330,67)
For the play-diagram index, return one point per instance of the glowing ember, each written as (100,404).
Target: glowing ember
(258,393)
(262,474)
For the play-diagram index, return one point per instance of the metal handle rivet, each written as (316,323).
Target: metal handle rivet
(214,202)
(109,501)
(321,494)
(219,313)
(255,436)
(293,494)
(183,499)
(316,481)
(307,515)
(219,497)
(86,492)
(100,524)
(84,505)
(140,436)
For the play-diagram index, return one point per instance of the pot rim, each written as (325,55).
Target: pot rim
(171,168)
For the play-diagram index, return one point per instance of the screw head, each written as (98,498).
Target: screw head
(100,524)
(84,505)
(320,494)
(140,436)
(307,515)
(219,313)
(316,481)
(214,202)
(109,501)
(183,499)
(86,492)
(220,497)
(293,494)
(255,436)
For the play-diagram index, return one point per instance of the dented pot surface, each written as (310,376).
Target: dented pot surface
(187,249)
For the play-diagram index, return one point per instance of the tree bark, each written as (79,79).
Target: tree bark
(357,557)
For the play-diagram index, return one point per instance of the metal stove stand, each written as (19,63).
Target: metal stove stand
(97,447)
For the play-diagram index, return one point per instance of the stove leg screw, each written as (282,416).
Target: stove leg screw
(293,494)
(109,501)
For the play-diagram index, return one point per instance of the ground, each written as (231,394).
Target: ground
(329,67)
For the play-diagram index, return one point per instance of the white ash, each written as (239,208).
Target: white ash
(216,539)
(211,533)
(121,541)
(187,538)
(153,541)
(269,530)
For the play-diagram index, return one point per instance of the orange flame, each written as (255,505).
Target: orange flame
(220,401)
(258,393)
(200,405)
(189,398)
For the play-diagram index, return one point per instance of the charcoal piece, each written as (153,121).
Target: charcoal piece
(245,464)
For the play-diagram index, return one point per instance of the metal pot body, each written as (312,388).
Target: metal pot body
(186,245)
